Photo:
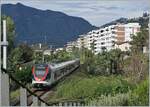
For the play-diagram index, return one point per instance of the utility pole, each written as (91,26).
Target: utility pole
(45,40)
(0,68)
(149,45)
(4,88)
(43,59)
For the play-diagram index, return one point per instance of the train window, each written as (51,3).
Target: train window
(63,70)
(57,74)
(40,71)
(48,76)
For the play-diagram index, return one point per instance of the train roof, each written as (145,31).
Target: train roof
(55,66)
(42,64)
(63,64)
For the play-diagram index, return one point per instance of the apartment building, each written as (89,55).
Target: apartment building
(88,40)
(107,38)
(70,46)
(115,36)
(80,41)
(124,33)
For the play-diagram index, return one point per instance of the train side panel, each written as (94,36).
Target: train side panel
(56,72)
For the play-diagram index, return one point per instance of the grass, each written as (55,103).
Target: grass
(119,99)
(113,90)
(92,87)
(137,97)
(15,94)
(80,85)
(140,95)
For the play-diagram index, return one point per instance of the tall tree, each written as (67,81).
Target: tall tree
(21,54)
(140,40)
(10,32)
(27,53)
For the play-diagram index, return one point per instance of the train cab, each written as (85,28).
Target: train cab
(41,74)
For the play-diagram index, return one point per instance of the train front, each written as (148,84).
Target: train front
(41,75)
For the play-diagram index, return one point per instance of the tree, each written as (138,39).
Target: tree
(139,41)
(10,32)
(21,54)
(27,53)
(116,59)
(106,63)
(14,57)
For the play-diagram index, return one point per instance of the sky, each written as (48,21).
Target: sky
(97,12)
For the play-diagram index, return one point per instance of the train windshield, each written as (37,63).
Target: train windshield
(40,71)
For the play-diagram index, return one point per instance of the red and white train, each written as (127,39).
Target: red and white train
(48,74)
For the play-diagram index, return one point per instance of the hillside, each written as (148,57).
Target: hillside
(34,25)
(143,21)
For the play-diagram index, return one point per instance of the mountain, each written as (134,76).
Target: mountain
(143,21)
(120,20)
(35,25)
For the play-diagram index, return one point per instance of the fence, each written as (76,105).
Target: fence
(78,102)
(37,101)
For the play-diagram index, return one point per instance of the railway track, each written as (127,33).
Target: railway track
(39,93)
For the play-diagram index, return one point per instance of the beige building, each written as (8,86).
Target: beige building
(80,41)
(124,33)
(70,46)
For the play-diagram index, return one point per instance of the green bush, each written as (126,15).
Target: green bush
(24,75)
(117,100)
(137,97)
(93,87)
(140,96)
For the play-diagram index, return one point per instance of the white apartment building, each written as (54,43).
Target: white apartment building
(107,38)
(124,33)
(131,29)
(116,36)
(89,39)
(127,30)
(80,41)
(70,46)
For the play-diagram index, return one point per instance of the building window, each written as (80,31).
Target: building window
(112,28)
(113,32)
(102,43)
(103,48)
(102,31)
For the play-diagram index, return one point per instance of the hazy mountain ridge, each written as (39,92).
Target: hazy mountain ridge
(143,20)
(35,25)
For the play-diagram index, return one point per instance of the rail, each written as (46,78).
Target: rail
(36,99)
